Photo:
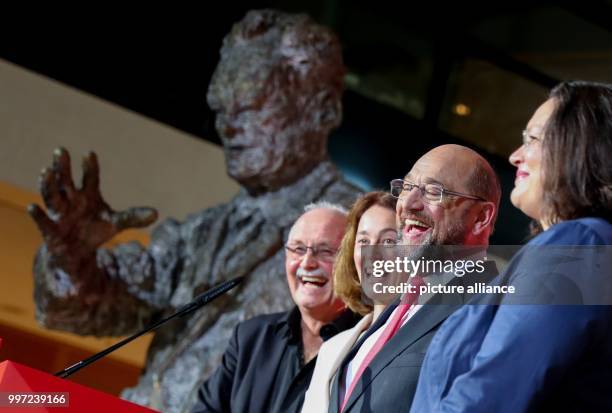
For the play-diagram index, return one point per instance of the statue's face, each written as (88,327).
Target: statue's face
(257,134)
(262,121)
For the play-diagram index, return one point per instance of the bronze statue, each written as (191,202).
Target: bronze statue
(277,95)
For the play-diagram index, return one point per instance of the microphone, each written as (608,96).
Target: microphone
(198,302)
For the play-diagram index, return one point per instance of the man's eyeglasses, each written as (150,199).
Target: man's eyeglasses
(322,252)
(432,193)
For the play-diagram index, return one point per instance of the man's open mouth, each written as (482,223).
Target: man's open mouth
(415,231)
(415,226)
(316,281)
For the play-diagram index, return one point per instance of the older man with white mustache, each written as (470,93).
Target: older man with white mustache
(269,361)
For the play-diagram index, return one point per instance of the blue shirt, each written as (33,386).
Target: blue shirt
(517,358)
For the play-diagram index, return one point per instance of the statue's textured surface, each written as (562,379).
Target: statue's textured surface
(276,93)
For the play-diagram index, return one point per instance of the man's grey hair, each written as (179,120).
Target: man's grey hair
(326,205)
(321,205)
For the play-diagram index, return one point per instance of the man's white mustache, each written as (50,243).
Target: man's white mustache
(301,272)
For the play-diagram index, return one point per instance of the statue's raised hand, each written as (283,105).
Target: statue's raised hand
(78,220)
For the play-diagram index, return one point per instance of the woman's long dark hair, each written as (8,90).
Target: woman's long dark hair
(577,152)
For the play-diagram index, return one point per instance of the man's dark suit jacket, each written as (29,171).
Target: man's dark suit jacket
(389,383)
(262,368)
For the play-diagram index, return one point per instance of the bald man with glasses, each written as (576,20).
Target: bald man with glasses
(450,197)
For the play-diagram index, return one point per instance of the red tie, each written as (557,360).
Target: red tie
(394,324)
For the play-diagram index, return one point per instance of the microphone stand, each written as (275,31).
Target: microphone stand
(187,309)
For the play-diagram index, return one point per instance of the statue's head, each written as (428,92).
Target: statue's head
(277,95)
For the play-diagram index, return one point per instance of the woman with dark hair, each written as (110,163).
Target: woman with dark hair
(371,221)
(517,358)
(569,137)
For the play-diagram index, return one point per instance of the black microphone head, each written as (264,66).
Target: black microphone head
(218,290)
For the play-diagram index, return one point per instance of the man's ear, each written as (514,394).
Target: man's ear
(484,219)
(326,108)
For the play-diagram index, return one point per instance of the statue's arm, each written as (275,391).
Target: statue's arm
(112,291)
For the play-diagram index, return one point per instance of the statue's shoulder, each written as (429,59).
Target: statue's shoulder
(207,214)
(342,192)
(172,230)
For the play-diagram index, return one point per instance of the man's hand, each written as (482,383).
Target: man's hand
(78,220)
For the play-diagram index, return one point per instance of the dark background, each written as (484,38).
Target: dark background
(419,75)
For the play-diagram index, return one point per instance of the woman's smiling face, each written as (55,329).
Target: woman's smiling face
(376,227)
(527,194)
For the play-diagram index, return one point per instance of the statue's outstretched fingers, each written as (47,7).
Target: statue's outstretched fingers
(45,225)
(50,191)
(91,174)
(63,170)
(138,217)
